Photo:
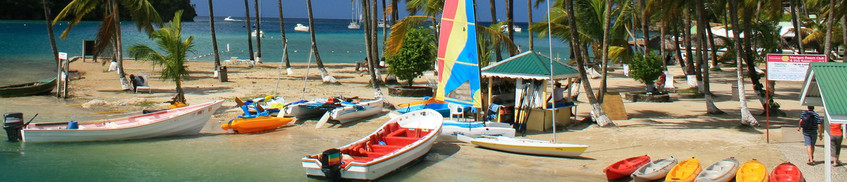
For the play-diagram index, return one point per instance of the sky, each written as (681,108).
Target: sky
(341,9)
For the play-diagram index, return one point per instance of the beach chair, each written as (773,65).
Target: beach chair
(145,84)
(456,109)
(626,70)
(593,74)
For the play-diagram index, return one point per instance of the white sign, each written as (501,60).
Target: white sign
(789,67)
(63,55)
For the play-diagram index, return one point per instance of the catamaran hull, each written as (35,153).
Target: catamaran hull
(303,111)
(189,123)
(474,130)
(534,148)
(352,113)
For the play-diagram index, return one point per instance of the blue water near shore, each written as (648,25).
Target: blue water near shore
(25,53)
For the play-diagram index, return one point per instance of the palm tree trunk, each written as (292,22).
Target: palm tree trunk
(686,39)
(679,59)
(284,40)
(179,91)
(844,37)
(664,52)
(385,27)
(746,117)
(374,45)
(645,26)
(604,58)
(828,41)
(702,29)
(529,22)
(511,20)
(214,36)
(714,49)
(327,78)
(258,31)
(597,113)
(796,22)
(52,39)
(368,41)
(493,20)
(395,13)
(758,87)
(119,46)
(249,29)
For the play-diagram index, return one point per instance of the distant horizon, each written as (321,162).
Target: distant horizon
(265,17)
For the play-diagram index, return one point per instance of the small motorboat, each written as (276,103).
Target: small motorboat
(395,144)
(786,172)
(261,33)
(654,170)
(684,171)
(752,171)
(188,120)
(256,124)
(625,167)
(301,28)
(721,171)
(34,88)
(229,18)
(526,146)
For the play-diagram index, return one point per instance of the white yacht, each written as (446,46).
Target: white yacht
(354,24)
(301,28)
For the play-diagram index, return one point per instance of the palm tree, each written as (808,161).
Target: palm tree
(702,23)
(109,33)
(327,78)
(284,40)
(258,31)
(746,117)
(169,39)
(490,39)
(494,21)
(828,41)
(598,115)
(510,19)
(645,21)
(798,37)
(604,55)
(366,8)
(249,30)
(529,22)
(214,36)
(52,41)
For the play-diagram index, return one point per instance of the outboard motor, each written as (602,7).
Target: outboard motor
(13,123)
(331,164)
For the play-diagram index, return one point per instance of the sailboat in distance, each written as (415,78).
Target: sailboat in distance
(354,23)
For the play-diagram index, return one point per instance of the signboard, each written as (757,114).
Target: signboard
(63,55)
(87,48)
(791,67)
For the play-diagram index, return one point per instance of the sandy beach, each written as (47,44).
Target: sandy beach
(679,128)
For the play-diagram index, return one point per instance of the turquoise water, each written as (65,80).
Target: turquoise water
(25,53)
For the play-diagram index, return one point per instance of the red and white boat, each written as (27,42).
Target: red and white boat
(396,143)
(187,120)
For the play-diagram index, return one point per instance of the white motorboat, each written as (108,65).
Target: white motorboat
(173,122)
(505,28)
(395,144)
(229,18)
(301,28)
(355,111)
(527,146)
(261,33)
(354,26)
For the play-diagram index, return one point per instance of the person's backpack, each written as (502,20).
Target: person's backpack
(809,121)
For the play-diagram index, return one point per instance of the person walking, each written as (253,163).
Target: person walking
(810,124)
(836,137)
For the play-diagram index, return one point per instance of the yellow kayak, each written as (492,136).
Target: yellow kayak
(684,171)
(257,124)
(752,171)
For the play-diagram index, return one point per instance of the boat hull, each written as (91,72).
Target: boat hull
(752,171)
(451,129)
(685,171)
(258,124)
(189,121)
(305,110)
(655,170)
(34,88)
(625,167)
(721,171)
(380,166)
(534,147)
(355,112)
(786,172)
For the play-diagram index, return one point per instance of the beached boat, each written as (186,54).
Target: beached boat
(474,129)
(752,171)
(655,170)
(721,171)
(34,88)
(301,28)
(431,103)
(684,171)
(256,124)
(303,109)
(396,143)
(786,172)
(527,146)
(354,111)
(625,167)
(173,122)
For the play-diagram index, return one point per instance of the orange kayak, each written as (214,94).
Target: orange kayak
(685,171)
(257,124)
(752,171)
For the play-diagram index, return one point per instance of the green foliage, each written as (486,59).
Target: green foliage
(32,10)
(415,56)
(169,39)
(646,70)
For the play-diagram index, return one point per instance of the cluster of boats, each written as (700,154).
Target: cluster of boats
(640,168)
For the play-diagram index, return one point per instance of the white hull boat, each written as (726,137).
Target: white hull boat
(187,120)
(307,109)
(261,33)
(354,26)
(721,171)
(396,143)
(452,129)
(229,18)
(357,111)
(654,170)
(301,28)
(527,146)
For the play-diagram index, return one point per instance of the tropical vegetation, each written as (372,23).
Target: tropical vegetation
(172,60)
(415,56)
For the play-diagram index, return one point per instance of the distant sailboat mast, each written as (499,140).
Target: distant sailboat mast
(550,46)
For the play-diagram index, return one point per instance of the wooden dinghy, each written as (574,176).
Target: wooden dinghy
(721,171)
(187,120)
(396,143)
(625,167)
(34,88)
(527,146)
(654,170)
(684,171)
(752,171)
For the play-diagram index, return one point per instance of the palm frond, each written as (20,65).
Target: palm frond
(78,9)
(105,35)
(399,30)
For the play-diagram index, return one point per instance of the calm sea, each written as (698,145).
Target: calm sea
(25,48)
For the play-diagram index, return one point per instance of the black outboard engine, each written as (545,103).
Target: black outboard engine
(13,123)
(331,164)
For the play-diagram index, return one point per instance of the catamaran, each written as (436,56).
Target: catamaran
(354,24)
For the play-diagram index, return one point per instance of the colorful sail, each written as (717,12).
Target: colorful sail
(458,64)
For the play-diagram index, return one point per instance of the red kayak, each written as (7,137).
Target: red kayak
(625,167)
(786,172)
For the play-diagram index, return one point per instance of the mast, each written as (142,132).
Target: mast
(550,49)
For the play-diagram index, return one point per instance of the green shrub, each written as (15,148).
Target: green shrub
(646,70)
(415,57)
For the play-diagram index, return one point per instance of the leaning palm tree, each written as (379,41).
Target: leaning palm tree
(327,78)
(702,24)
(52,41)
(597,113)
(168,39)
(109,33)
(284,40)
(746,117)
(249,31)
(214,37)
